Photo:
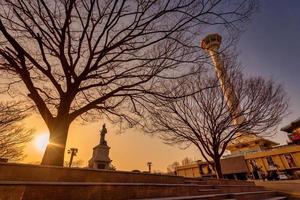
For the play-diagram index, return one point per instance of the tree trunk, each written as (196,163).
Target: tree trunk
(54,154)
(218,167)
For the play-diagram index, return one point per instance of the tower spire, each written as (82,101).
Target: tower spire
(211,44)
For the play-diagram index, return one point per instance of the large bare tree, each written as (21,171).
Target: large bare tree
(13,134)
(205,120)
(83,58)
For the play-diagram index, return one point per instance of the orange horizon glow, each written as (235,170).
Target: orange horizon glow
(131,150)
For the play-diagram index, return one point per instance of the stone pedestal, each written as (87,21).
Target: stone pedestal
(100,159)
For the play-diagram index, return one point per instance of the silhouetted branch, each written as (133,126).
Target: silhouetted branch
(92,57)
(13,135)
(205,120)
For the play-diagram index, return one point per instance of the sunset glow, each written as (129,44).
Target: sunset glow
(41,141)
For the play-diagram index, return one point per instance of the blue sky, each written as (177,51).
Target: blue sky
(270,47)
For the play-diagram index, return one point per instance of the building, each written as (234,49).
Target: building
(293,131)
(232,168)
(250,158)
(190,170)
(282,158)
(251,155)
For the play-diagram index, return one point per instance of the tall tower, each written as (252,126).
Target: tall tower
(211,44)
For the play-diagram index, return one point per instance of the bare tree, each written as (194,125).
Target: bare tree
(186,161)
(172,167)
(13,135)
(90,58)
(205,120)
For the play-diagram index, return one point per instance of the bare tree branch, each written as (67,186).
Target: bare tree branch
(94,57)
(205,120)
(13,135)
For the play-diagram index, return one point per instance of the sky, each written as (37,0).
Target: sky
(269,47)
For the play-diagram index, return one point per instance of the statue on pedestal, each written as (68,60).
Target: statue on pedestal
(100,158)
(102,135)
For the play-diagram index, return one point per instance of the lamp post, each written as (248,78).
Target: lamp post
(149,166)
(73,152)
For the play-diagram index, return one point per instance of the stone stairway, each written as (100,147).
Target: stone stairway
(233,196)
(13,190)
(28,182)
(225,190)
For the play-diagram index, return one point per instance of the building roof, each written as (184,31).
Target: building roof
(239,142)
(293,125)
(284,149)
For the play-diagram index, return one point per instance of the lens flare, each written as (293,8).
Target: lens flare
(41,141)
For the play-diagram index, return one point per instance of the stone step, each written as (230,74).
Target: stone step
(15,190)
(94,190)
(228,187)
(225,196)
(194,181)
(201,197)
(21,181)
(239,188)
(253,195)
(100,183)
(218,181)
(210,190)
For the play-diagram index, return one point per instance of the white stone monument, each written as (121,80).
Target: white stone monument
(100,159)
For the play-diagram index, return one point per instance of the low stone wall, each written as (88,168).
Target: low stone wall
(26,172)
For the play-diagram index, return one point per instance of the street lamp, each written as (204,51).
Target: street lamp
(73,152)
(149,166)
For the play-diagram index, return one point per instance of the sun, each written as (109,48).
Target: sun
(41,141)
